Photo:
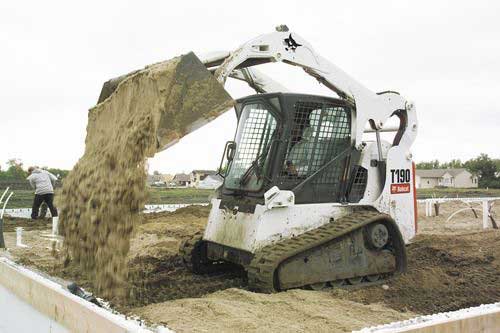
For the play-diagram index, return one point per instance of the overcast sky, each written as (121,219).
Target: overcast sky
(55,55)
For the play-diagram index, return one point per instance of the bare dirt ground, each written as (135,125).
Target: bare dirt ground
(452,265)
(10,224)
(462,222)
(237,310)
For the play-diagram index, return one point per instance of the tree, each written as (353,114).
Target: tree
(15,170)
(482,165)
(453,164)
(497,163)
(58,172)
(428,165)
(485,168)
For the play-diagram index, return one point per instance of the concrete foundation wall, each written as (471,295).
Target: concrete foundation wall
(483,318)
(18,316)
(35,300)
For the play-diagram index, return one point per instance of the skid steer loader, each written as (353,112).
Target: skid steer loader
(307,200)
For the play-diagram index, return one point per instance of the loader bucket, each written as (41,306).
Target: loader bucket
(193,97)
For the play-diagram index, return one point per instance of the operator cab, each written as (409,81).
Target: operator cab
(294,141)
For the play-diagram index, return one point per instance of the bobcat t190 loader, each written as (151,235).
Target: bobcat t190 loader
(305,201)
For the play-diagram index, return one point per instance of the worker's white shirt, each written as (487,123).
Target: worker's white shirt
(41,181)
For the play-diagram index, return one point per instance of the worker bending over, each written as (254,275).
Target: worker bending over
(41,181)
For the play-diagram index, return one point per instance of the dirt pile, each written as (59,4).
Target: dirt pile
(105,191)
(236,310)
(450,267)
(11,223)
(445,273)
(157,273)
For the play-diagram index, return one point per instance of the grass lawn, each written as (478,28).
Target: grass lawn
(20,199)
(457,192)
(177,195)
(24,198)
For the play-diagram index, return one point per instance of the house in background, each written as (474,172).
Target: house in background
(198,175)
(460,178)
(182,180)
(210,182)
(167,178)
(157,179)
(207,179)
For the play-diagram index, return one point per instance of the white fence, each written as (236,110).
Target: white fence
(458,199)
(169,208)
(486,206)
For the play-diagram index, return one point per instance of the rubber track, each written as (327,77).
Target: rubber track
(187,247)
(192,247)
(261,271)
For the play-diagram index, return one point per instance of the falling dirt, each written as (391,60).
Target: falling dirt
(156,273)
(103,194)
(452,265)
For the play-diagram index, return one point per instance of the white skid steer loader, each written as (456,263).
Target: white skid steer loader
(305,201)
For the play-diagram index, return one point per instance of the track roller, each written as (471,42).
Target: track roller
(376,236)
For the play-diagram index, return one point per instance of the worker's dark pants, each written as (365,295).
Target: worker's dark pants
(48,199)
